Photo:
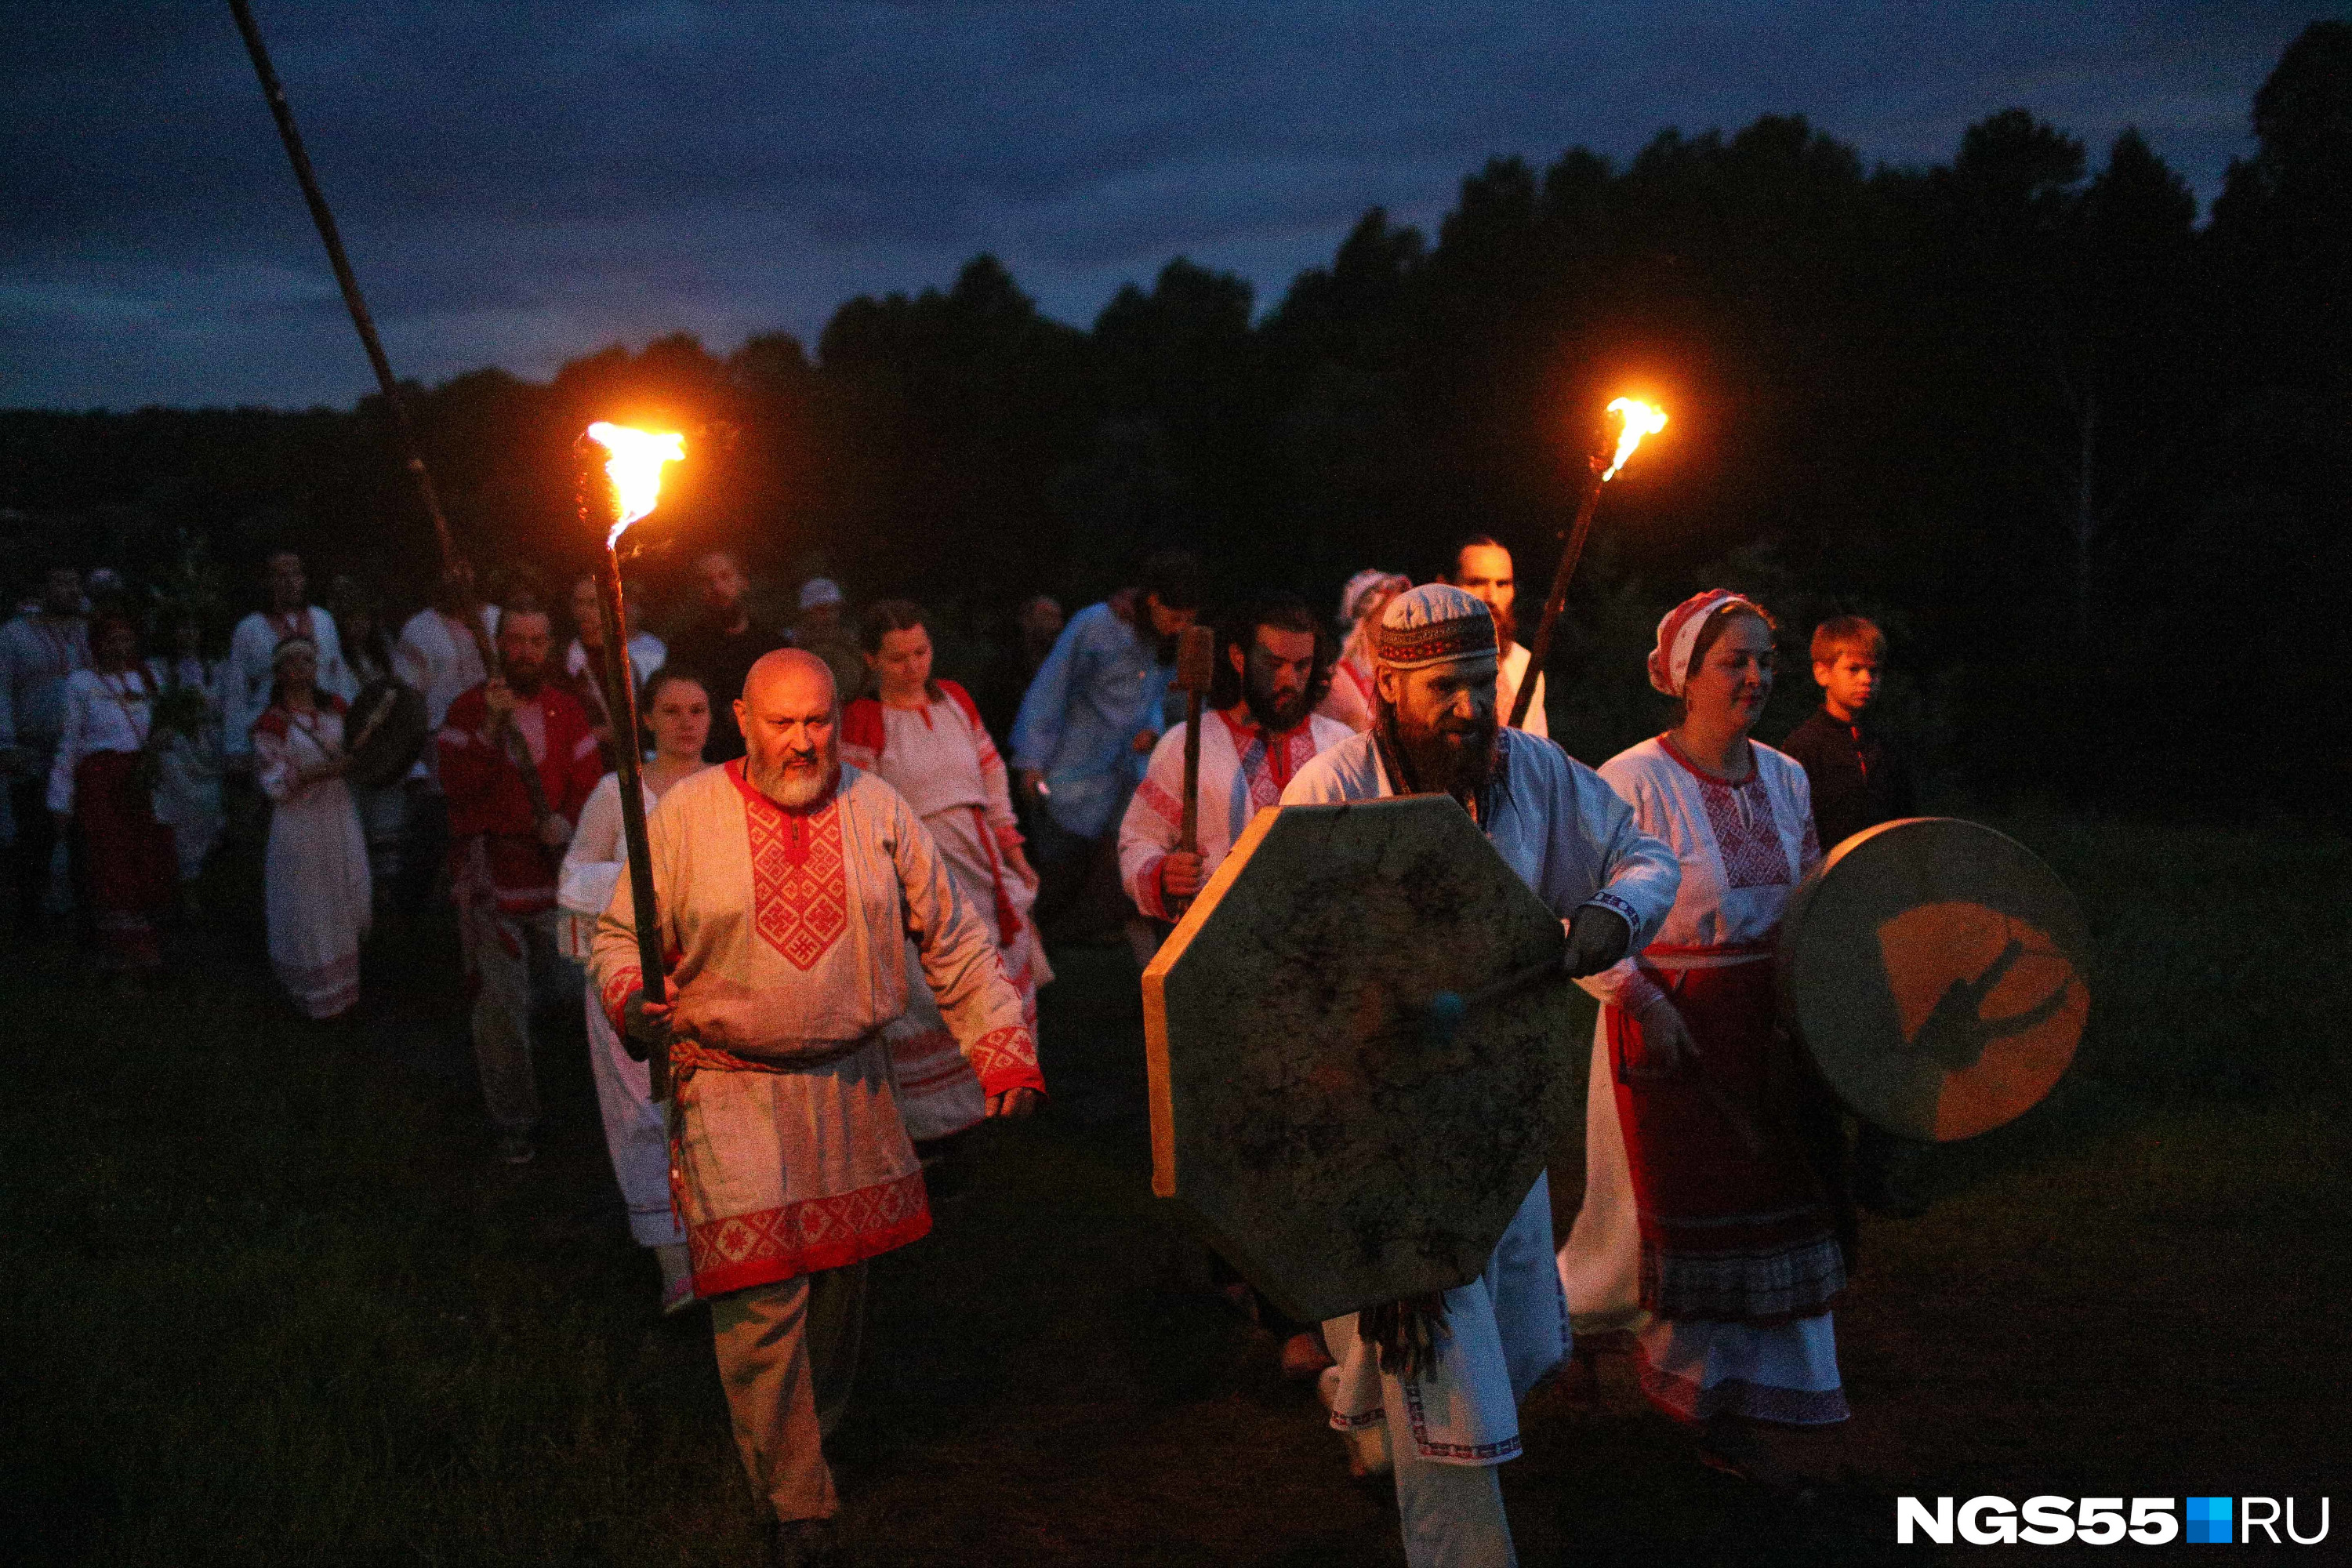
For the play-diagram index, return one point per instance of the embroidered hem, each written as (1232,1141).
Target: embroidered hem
(740,1251)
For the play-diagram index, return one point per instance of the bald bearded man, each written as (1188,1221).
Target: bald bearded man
(788,885)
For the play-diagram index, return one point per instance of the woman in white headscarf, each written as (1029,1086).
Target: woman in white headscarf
(1702,1206)
(316,880)
(1368,593)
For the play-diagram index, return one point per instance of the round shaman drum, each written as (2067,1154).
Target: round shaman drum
(1936,969)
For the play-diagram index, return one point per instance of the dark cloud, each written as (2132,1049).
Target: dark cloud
(521,182)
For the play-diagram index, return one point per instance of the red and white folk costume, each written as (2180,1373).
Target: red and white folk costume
(790,926)
(1731,1253)
(503,876)
(129,867)
(1243,770)
(316,882)
(786,931)
(941,759)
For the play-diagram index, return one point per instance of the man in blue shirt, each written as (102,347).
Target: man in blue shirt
(1086,732)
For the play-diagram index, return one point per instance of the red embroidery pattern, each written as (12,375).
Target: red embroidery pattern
(1745,833)
(1006,1059)
(745,1249)
(616,994)
(800,896)
(1267,771)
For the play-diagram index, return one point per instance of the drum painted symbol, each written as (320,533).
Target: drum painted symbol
(1936,970)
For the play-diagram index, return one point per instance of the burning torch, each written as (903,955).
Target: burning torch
(613,494)
(1639,420)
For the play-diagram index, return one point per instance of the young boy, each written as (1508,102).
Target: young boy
(1857,783)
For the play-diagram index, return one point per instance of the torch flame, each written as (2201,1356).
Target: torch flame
(635,468)
(1640,420)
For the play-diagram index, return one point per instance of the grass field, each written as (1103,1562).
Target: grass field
(268,1301)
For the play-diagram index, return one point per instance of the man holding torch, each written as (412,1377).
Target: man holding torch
(787,886)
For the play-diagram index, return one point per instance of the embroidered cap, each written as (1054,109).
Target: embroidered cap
(1434,624)
(1678,633)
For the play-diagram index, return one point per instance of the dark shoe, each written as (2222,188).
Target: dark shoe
(804,1543)
(516,1149)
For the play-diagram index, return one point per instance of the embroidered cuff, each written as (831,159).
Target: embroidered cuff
(616,993)
(1623,910)
(1152,892)
(1005,1058)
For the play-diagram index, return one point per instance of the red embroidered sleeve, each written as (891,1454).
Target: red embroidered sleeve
(1004,1059)
(619,986)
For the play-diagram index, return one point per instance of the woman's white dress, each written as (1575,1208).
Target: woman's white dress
(635,1133)
(316,881)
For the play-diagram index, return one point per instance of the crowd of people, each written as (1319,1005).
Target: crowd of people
(859,892)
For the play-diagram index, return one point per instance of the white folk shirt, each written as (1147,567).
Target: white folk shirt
(103,713)
(251,666)
(788,929)
(1742,849)
(1508,673)
(593,864)
(1241,775)
(1574,843)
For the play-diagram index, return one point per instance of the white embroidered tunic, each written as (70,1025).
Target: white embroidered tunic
(103,713)
(1242,771)
(251,666)
(786,929)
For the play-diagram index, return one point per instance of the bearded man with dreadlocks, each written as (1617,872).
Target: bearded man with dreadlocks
(1445,1374)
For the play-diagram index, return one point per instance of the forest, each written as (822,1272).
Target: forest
(2085,451)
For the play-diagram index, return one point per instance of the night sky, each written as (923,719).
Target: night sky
(520,184)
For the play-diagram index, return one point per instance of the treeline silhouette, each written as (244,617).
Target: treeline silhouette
(2087,457)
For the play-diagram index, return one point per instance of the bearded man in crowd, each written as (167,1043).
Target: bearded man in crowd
(1443,1376)
(508,829)
(1482,569)
(789,886)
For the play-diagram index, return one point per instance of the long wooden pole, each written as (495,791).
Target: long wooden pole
(1541,649)
(621,699)
(454,568)
(307,177)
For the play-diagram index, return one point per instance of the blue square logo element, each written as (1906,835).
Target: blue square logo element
(2208,1521)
